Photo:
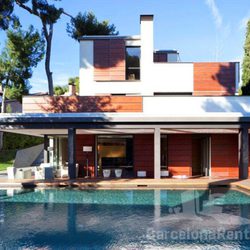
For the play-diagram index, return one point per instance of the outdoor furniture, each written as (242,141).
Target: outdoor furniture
(63,171)
(106,173)
(164,173)
(45,171)
(22,173)
(39,173)
(141,174)
(118,173)
(11,173)
(19,173)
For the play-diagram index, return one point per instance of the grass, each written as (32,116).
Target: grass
(7,158)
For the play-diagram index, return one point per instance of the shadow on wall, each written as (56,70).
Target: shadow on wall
(225,82)
(225,77)
(68,104)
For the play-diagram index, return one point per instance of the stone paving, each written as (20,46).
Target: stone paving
(94,183)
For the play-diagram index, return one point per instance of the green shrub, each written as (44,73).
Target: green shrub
(17,141)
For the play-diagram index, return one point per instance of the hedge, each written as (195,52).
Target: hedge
(17,141)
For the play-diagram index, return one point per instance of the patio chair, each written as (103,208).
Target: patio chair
(44,171)
(63,171)
(19,173)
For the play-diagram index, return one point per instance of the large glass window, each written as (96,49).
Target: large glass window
(133,63)
(115,151)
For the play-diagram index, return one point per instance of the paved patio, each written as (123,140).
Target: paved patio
(167,183)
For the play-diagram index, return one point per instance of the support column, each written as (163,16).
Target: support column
(243,153)
(45,149)
(157,153)
(72,153)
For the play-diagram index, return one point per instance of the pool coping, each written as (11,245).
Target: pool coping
(142,184)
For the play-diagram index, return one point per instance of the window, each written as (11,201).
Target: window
(115,151)
(133,63)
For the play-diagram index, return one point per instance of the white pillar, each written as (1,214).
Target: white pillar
(157,153)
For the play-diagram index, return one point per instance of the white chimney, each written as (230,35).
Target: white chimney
(72,89)
(147,45)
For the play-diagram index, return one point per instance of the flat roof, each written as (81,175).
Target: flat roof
(108,37)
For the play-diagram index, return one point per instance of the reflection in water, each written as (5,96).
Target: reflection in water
(56,219)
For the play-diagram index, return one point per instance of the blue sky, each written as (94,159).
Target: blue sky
(202,30)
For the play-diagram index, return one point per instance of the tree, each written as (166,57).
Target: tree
(22,52)
(87,24)
(246,64)
(48,15)
(60,90)
(74,80)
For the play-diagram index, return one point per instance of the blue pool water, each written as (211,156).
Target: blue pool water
(124,219)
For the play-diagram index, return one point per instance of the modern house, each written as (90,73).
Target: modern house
(143,111)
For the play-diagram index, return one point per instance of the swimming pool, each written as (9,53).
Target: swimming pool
(127,219)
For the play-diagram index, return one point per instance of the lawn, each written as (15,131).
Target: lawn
(7,158)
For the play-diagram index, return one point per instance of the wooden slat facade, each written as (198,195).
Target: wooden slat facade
(216,79)
(85,140)
(109,60)
(144,154)
(63,104)
(224,154)
(180,154)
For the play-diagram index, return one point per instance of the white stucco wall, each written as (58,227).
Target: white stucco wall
(195,105)
(86,67)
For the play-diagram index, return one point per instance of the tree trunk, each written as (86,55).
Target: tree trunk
(3,100)
(1,141)
(47,60)
(2,111)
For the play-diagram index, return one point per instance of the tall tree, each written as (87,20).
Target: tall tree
(87,24)
(22,52)
(48,15)
(246,64)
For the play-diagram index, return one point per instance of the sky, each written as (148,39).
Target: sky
(201,30)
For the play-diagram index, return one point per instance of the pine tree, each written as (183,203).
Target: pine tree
(246,64)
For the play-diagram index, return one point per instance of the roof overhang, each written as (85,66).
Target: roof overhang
(121,120)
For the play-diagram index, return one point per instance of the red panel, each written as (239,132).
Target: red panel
(109,60)
(180,154)
(144,154)
(224,155)
(63,104)
(214,78)
(85,140)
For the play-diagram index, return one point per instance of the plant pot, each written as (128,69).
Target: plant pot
(164,173)
(106,173)
(118,173)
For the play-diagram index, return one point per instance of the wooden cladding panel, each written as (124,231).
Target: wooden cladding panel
(144,154)
(160,57)
(214,78)
(109,60)
(180,154)
(64,104)
(85,140)
(224,155)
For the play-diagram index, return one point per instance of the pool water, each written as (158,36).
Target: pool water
(124,219)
